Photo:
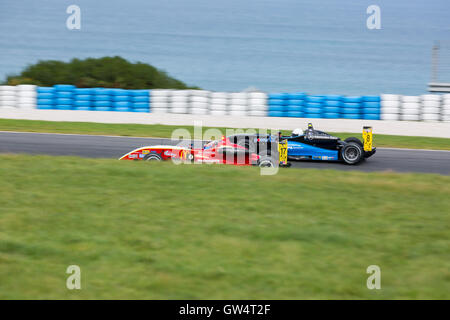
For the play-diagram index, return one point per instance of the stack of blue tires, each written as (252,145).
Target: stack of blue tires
(121,100)
(371,107)
(314,106)
(140,100)
(277,104)
(46,98)
(332,106)
(82,99)
(295,105)
(351,107)
(64,96)
(102,99)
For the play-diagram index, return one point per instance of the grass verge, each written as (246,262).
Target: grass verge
(162,231)
(163,131)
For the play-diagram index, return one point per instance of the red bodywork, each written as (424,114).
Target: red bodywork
(220,151)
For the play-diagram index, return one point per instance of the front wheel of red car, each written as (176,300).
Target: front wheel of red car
(266,162)
(153,157)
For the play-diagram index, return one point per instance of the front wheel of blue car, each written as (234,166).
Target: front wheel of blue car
(352,153)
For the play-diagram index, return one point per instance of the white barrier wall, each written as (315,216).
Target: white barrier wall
(204,102)
(21,96)
(427,107)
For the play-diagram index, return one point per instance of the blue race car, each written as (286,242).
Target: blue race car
(318,145)
(311,145)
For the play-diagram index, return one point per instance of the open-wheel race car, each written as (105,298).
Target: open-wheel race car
(313,144)
(221,151)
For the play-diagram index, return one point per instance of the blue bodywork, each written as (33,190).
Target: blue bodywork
(301,150)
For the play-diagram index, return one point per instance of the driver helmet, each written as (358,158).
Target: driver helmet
(297,132)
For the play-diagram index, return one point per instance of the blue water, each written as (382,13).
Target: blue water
(315,46)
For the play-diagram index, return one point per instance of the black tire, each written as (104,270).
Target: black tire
(352,153)
(152,157)
(266,162)
(356,140)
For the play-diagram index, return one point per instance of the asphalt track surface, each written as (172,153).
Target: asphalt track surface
(385,159)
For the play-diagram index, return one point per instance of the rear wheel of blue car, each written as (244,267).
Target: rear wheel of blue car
(352,153)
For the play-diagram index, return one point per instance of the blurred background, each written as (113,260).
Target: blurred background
(319,47)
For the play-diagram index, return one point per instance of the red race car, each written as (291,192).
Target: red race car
(217,151)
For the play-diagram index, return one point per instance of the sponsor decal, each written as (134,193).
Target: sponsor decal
(145,151)
(169,153)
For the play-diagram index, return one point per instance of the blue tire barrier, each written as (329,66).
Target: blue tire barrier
(45,95)
(64,94)
(141,99)
(294,114)
(371,117)
(120,98)
(122,104)
(102,91)
(102,104)
(331,109)
(45,90)
(276,113)
(351,105)
(331,115)
(333,97)
(83,97)
(277,102)
(294,108)
(123,109)
(141,110)
(278,96)
(108,91)
(371,110)
(82,91)
(141,105)
(82,108)
(371,98)
(313,105)
(313,115)
(44,102)
(297,96)
(64,87)
(312,110)
(315,99)
(333,103)
(296,102)
(371,105)
(102,97)
(120,92)
(63,101)
(45,107)
(350,111)
(351,116)
(276,108)
(352,99)
(102,108)
(136,93)
(81,103)
(63,107)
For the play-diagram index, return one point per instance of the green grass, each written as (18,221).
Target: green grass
(162,231)
(163,131)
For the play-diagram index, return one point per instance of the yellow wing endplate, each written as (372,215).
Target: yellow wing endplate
(368,138)
(283,152)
